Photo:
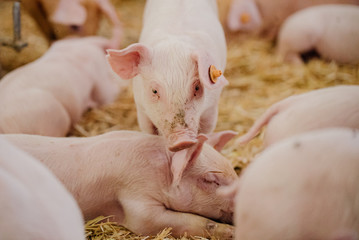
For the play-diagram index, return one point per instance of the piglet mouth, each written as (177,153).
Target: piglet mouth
(181,140)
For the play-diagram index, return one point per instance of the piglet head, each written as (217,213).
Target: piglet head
(173,86)
(68,12)
(244,16)
(197,173)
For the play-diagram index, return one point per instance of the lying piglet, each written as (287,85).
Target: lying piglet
(328,107)
(304,187)
(61,18)
(265,17)
(46,96)
(331,30)
(34,204)
(133,176)
(174,69)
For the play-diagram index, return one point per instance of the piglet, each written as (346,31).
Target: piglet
(331,30)
(134,177)
(47,96)
(60,18)
(177,69)
(34,204)
(265,17)
(328,107)
(304,187)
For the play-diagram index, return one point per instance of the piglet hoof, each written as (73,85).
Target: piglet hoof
(180,145)
(220,231)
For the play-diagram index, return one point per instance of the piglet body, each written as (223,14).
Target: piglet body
(170,66)
(47,96)
(133,176)
(328,107)
(34,204)
(265,17)
(331,30)
(304,187)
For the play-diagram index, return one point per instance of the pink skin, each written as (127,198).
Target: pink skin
(169,66)
(50,94)
(304,187)
(134,177)
(266,17)
(331,30)
(73,17)
(34,204)
(329,107)
(66,12)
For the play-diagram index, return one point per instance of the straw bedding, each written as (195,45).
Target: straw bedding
(256,78)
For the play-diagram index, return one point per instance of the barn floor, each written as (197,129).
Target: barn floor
(256,78)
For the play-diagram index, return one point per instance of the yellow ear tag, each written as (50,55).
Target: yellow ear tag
(245,17)
(214,73)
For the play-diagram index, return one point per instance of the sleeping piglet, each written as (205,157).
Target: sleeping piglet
(328,107)
(331,30)
(265,17)
(176,69)
(134,177)
(34,204)
(47,96)
(304,187)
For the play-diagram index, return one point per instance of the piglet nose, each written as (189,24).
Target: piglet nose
(75,28)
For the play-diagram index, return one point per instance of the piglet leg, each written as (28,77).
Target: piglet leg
(149,219)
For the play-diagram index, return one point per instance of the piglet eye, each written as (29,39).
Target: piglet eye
(154,91)
(196,88)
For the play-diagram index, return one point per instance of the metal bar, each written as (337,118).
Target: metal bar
(16,42)
(16,21)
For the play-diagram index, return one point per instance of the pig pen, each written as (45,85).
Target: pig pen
(256,78)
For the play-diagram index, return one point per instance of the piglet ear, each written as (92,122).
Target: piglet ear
(219,139)
(126,62)
(209,75)
(184,158)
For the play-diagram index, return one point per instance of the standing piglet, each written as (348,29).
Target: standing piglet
(47,96)
(265,17)
(135,178)
(331,30)
(304,187)
(328,107)
(174,69)
(34,204)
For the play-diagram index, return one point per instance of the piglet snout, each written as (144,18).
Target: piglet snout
(75,28)
(226,217)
